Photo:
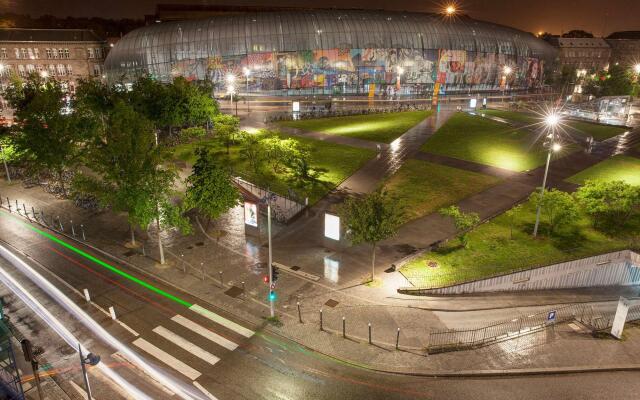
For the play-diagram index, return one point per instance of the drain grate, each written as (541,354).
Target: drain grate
(331,303)
(130,253)
(295,268)
(199,244)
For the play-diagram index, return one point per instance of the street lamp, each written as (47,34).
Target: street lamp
(231,88)
(44,74)
(450,10)
(90,359)
(636,68)
(400,71)
(552,120)
(506,70)
(246,71)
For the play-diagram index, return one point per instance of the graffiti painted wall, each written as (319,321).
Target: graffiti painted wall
(340,70)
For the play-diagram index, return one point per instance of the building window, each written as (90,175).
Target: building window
(66,53)
(31,69)
(23,53)
(30,53)
(61,70)
(36,53)
(52,70)
(17,53)
(97,71)
(21,70)
(98,52)
(48,52)
(3,53)
(69,70)
(90,52)
(55,53)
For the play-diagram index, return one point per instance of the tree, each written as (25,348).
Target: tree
(463,222)
(609,203)
(46,133)
(209,187)
(123,160)
(616,81)
(372,218)
(559,207)
(577,33)
(226,127)
(252,149)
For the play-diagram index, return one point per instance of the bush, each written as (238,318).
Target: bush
(192,133)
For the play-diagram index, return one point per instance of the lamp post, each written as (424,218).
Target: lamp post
(91,359)
(507,70)
(552,120)
(267,200)
(246,72)
(400,71)
(230,88)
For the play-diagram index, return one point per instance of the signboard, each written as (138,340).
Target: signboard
(296,106)
(551,317)
(620,318)
(250,214)
(473,103)
(332,226)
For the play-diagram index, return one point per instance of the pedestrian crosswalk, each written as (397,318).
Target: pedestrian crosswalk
(191,344)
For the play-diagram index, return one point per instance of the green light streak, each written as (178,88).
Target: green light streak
(103,264)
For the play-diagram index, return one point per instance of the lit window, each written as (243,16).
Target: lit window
(69,70)
(61,70)
(90,52)
(3,53)
(30,53)
(36,53)
(97,71)
(66,53)
(24,53)
(55,53)
(49,53)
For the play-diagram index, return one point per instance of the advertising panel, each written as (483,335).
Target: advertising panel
(250,214)
(620,318)
(332,226)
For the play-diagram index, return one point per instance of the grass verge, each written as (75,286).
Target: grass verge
(425,187)
(384,128)
(618,168)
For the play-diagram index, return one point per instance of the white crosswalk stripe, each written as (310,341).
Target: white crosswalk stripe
(186,345)
(222,321)
(167,358)
(202,331)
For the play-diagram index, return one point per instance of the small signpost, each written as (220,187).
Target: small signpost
(551,317)
(620,317)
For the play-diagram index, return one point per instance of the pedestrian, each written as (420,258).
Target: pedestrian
(378,147)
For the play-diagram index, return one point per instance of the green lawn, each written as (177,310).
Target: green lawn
(339,161)
(483,141)
(598,131)
(425,187)
(491,251)
(617,168)
(384,128)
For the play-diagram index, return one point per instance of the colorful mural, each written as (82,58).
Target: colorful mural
(340,69)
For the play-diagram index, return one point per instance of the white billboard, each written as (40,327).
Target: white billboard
(250,214)
(332,226)
(620,318)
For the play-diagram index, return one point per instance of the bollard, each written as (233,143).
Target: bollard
(344,327)
(369,325)
(60,223)
(26,214)
(321,319)
(202,270)
(112,312)
(244,290)
(9,206)
(17,207)
(86,295)
(33,212)
(144,253)
(8,202)
(184,266)
(44,220)
(397,338)
(73,229)
(221,284)
(84,239)
(299,314)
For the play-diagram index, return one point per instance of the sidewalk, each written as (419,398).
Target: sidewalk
(564,348)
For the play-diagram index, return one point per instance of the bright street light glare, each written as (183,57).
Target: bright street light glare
(556,147)
(507,70)
(44,74)
(636,68)
(450,10)
(231,78)
(246,71)
(552,119)
(400,70)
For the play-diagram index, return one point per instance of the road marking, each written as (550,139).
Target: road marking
(186,345)
(202,331)
(222,321)
(205,391)
(167,358)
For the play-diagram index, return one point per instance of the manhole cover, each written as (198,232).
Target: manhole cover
(199,244)
(233,291)
(295,268)
(189,247)
(331,303)
(130,253)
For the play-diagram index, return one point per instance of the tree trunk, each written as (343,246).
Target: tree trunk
(373,262)
(133,235)
(160,242)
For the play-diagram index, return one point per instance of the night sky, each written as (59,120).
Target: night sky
(598,16)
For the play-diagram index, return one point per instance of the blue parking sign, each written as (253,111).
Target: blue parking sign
(551,317)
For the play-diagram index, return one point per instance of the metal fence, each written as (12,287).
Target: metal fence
(283,208)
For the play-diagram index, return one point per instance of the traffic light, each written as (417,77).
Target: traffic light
(272,295)
(265,279)
(274,273)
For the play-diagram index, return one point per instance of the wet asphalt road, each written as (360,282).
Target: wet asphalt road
(262,366)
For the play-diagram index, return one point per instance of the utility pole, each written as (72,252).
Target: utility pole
(272,294)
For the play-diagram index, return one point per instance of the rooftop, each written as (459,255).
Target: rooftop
(48,35)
